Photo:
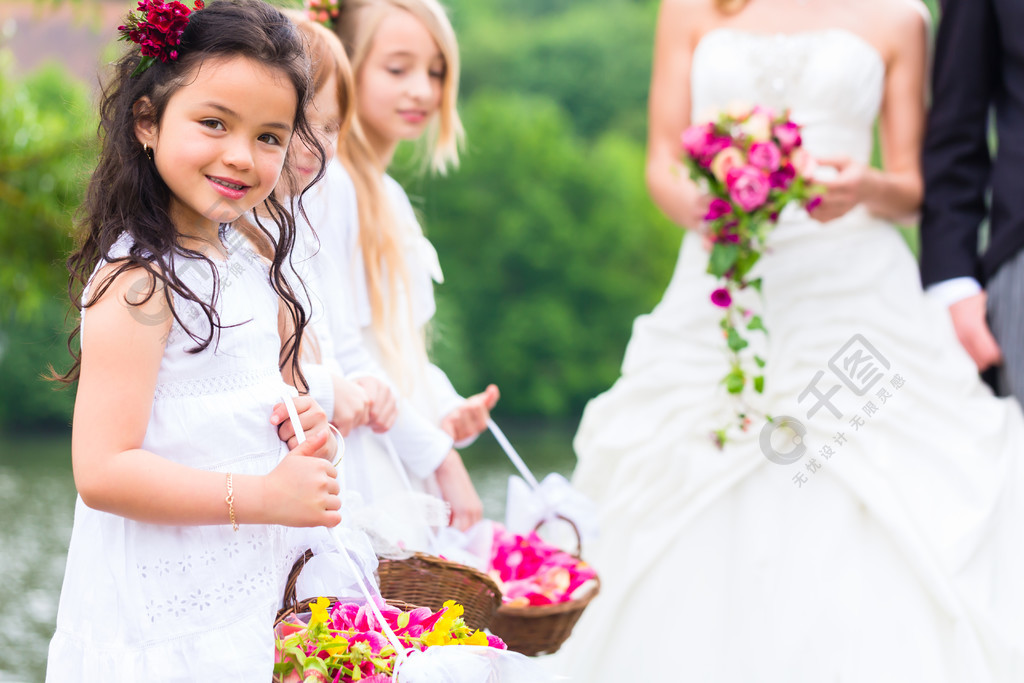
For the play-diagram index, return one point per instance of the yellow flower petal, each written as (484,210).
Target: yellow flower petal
(434,638)
(318,611)
(478,638)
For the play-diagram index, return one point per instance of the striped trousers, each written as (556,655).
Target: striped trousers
(1006,319)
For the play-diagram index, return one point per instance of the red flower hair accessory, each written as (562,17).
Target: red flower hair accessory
(323,11)
(157,27)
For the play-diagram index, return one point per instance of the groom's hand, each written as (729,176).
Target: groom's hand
(972,330)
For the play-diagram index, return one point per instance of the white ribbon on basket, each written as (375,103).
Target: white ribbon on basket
(452,664)
(388,519)
(371,599)
(529,503)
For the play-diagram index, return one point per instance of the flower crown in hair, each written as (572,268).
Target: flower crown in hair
(323,11)
(157,27)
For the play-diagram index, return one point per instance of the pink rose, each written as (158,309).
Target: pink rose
(715,146)
(788,135)
(726,160)
(717,209)
(783,177)
(748,187)
(701,143)
(765,155)
(696,139)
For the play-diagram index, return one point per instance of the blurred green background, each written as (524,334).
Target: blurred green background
(549,242)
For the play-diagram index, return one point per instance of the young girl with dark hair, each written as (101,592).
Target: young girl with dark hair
(189,339)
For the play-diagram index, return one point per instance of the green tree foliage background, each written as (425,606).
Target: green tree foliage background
(46,148)
(549,242)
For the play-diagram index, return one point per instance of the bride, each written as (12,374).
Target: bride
(880,537)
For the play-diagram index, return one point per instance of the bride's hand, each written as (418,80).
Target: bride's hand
(843,191)
(697,209)
(697,204)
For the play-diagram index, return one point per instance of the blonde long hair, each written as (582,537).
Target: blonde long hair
(730,6)
(380,238)
(357,25)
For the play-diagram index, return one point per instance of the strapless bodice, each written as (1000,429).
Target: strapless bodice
(830,80)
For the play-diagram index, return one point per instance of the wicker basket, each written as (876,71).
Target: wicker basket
(429,581)
(289,605)
(541,629)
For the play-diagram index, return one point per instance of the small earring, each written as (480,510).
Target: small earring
(147,151)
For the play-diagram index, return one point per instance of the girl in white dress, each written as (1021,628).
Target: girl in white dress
(181,543)
(878,539)
(360,401)
(405,59)
(351,402)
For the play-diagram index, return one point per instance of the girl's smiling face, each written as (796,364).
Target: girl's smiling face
(399,83)
(222,141)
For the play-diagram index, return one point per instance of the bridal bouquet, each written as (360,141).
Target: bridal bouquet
(751,162)
(531,571)
(347,643)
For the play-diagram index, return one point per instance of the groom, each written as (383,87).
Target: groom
(979,68)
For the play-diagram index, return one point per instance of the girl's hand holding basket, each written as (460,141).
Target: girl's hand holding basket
(312,418)
(301,491)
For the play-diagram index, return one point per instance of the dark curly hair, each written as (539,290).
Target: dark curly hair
(126,194)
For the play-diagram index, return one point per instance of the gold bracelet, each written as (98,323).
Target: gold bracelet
(230,500)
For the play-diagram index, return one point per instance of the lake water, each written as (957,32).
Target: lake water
(37,501)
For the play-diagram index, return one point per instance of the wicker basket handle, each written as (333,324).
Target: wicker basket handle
(289,603)
(576,530)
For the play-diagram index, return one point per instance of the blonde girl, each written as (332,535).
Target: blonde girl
(363,400)
(405,59)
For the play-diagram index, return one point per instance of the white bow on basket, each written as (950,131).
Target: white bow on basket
(530,503)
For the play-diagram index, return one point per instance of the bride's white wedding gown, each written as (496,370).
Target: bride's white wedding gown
(893,550)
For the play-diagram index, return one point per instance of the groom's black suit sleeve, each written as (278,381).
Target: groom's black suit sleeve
(979,63)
